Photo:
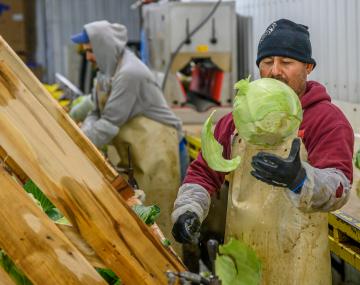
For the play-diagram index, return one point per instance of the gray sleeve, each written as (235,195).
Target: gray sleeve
(100,132)
(89,121)
(318,193)
(118,109)
(194,198)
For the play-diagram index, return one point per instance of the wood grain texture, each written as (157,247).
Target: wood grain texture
(69,178)
(35,244)
(55,110)
(9,164)
(77,240)
(5,278)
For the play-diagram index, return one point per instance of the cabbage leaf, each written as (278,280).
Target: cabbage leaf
(147,213)
(357,159)
(14,272)
(212,150)
(237,264)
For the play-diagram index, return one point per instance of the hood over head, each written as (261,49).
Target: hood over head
(108,42)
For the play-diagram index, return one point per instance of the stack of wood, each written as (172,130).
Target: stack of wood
(39,141)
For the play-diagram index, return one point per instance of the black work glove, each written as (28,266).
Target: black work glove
(278,171)
(187,228)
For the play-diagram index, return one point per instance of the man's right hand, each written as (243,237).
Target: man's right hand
(187,228)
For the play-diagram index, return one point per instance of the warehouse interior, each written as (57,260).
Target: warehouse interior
(180,142)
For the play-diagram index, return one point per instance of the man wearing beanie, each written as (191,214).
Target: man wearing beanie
(131,114)
(299,252)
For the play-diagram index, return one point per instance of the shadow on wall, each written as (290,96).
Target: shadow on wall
(246,50)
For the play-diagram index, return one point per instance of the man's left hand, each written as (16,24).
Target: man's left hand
(278,171)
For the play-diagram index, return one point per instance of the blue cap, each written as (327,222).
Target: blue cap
(3,8)
(81,38)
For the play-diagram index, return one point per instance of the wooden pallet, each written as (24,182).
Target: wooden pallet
(39,141)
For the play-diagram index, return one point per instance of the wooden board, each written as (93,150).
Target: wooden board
(12,166)
(35,244)
(77,240)
(55,110)
(5,278)
(43,144)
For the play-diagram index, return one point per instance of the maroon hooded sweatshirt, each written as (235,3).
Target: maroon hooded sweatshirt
(326,134)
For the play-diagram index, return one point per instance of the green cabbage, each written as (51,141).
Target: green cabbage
(266,111)
(237,264)
(212,150)
(357,159)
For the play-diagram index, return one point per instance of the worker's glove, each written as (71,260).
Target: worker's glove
(187,228)
(278,171)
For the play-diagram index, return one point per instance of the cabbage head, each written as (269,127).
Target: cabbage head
(266,111)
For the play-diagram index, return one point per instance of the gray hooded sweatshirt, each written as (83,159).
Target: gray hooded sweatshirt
(131,87)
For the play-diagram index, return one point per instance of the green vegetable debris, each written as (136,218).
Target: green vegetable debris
(147,213)
(15,273)
(357,159)
(44,203)
(237,264)
(109,276)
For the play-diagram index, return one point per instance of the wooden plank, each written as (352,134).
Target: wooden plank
(35,244)
(90,254)
(12,166)
(122,187)
(58,113)
(81,245)
(49,156)
(119,184)
(5,278)
(55,110)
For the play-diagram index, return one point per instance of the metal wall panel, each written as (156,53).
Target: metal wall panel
(62,18)
(334,27)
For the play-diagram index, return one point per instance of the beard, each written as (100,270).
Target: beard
(297,87)
(280,78)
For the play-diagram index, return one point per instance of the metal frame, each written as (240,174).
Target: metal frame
(344,237)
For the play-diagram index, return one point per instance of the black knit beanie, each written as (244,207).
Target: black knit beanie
(288,39)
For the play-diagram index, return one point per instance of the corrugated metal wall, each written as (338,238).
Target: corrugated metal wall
(335,34)
(57,20)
